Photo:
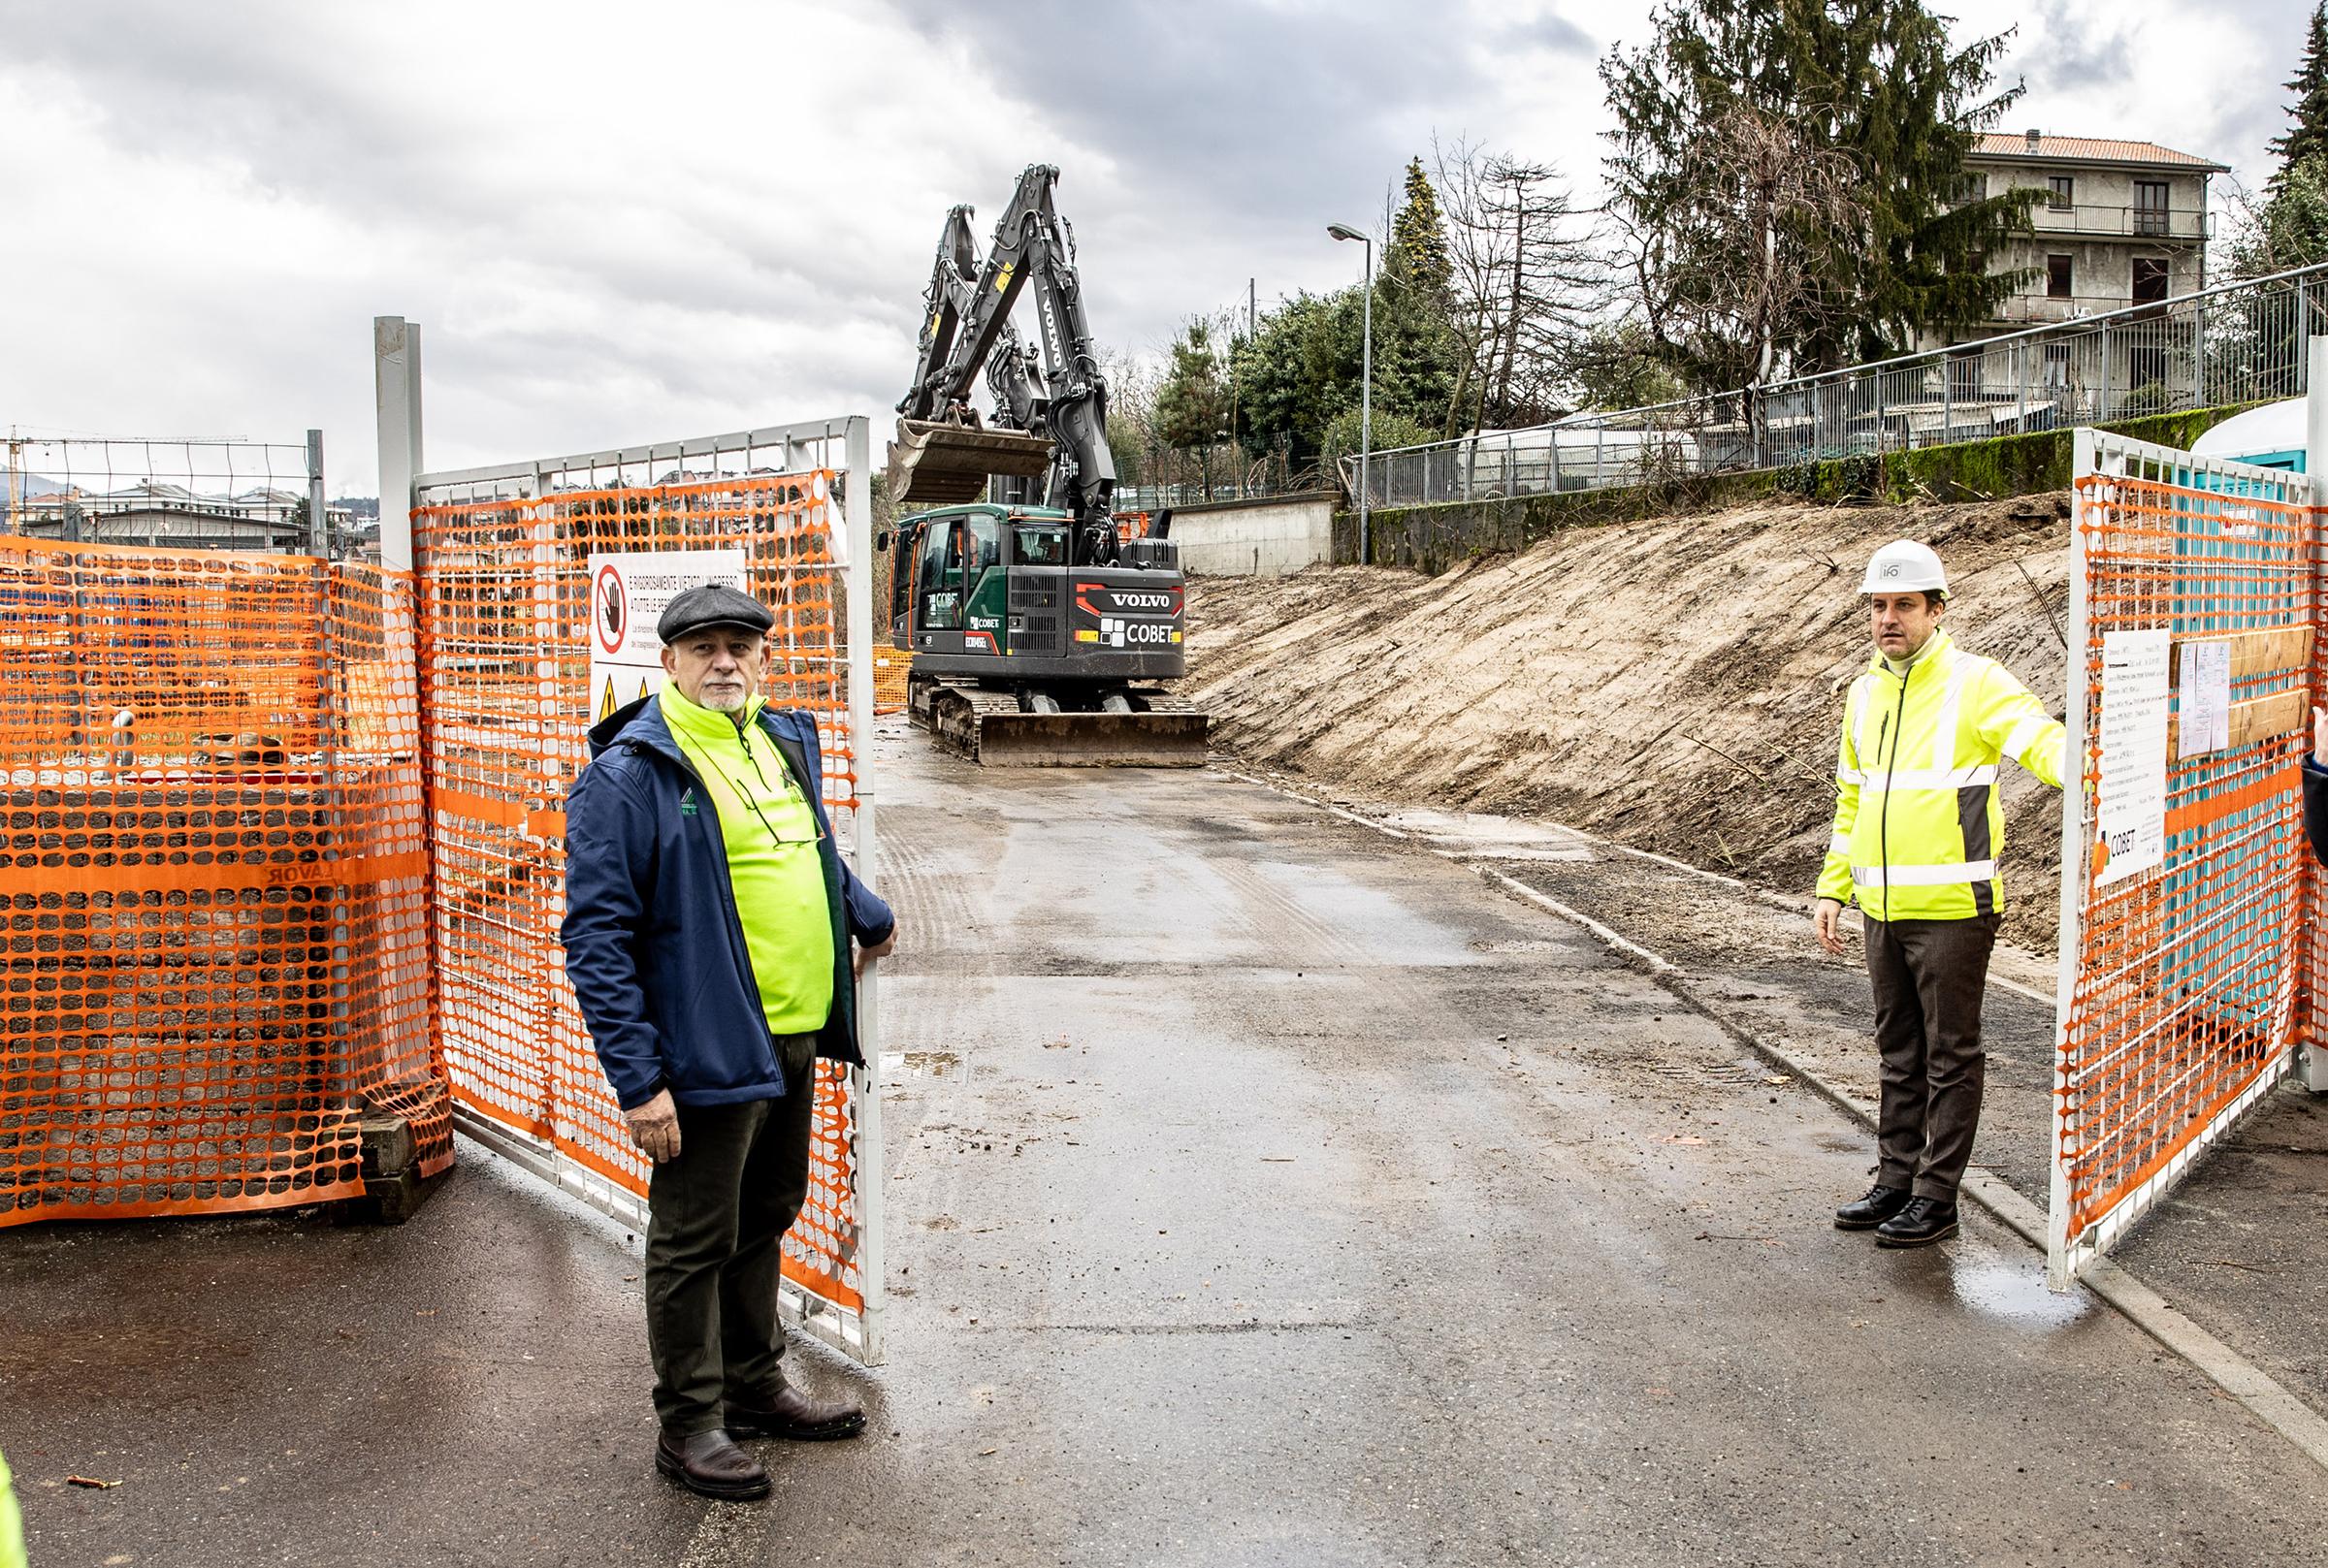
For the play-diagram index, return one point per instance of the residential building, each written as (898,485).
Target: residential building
(2115,224)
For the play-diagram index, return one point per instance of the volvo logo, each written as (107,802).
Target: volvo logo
(1142,601)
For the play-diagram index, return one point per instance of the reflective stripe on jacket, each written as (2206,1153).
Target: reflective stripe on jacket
(1918,828)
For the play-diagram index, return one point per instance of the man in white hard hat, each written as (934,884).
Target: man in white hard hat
(1918,835)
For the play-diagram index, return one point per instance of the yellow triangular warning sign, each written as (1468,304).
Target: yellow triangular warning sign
(642,689)
(607,703)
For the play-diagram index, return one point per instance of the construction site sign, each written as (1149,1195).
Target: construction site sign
(628,591)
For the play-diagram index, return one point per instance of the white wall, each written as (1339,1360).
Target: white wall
(1265,538)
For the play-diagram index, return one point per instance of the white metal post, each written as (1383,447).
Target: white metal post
(857,520)
(396,400)
(319,533)
(2058,1272)
(2311,1056)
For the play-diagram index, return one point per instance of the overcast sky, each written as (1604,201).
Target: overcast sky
(622,223)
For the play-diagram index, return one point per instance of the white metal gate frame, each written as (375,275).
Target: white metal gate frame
(843,446)
(2099,453)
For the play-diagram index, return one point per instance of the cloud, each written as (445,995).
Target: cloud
(633,225)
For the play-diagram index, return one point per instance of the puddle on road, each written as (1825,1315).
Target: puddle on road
(2013,1294)
(1485,836)
(936,1064)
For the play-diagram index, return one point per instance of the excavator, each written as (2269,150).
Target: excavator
(1037,628)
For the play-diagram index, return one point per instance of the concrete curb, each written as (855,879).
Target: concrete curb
(2266,1398)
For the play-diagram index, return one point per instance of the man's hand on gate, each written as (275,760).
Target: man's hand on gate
(1826,925)
(655,1126)
(880,949)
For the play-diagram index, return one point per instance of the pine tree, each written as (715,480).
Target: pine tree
(1417,253)
(1877,81)
(2308,137)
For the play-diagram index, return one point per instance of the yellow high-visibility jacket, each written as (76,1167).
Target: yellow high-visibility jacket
(1918,828)
(11,1527)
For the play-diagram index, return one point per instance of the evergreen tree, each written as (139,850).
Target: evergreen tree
(2308,137)
(1875,82)
(1192,405)
(1417,256)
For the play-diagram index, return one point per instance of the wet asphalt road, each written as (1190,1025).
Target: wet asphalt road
(1260,1192)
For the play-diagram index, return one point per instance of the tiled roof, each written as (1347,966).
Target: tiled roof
(2089,148)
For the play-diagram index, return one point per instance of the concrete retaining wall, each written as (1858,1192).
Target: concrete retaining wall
(1266,538)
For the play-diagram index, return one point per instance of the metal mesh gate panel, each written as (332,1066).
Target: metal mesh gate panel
(213,882)
(2184,965)
(505,607)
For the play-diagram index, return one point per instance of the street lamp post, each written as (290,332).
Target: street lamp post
(1366,391)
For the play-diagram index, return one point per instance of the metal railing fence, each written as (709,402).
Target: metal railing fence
(2233,343)
(174,493)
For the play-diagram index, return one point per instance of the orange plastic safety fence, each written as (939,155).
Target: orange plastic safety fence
(213,882)
(505,676)
(2188,971)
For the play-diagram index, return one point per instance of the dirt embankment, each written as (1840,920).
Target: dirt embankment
(1676,684)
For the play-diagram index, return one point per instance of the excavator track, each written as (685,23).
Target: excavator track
(989,728)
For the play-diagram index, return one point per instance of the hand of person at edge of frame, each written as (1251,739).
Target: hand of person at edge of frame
(880,949)
(655,1126)
(2320,736)
(1826,925)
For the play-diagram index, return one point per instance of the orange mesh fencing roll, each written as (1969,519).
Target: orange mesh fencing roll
(505,605)
(2188,973)
(214,880)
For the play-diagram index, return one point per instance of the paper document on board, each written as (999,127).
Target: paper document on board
(2204,702)
(2130,808)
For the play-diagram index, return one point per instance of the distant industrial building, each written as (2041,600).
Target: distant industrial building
(170,516)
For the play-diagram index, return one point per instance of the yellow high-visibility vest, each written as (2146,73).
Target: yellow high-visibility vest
(1918,828)
(11,1527)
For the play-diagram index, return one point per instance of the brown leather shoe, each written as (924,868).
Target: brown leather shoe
(711,1466)
(791,1414)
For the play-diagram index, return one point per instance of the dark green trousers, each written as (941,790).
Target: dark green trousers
(716,1220)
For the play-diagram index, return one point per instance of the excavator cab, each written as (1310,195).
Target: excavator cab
(1022,656)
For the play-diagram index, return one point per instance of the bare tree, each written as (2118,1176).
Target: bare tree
(1722,274)
(1525,284)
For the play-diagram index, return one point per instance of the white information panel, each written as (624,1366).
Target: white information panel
(628,591)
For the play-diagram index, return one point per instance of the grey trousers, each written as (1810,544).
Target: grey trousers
(716,1220)
(1930,978)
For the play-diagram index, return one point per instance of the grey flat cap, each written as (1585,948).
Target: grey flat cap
(714,604)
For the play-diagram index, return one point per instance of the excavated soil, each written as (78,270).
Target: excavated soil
(1675,685)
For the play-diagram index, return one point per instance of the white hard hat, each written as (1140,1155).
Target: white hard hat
(1904,566)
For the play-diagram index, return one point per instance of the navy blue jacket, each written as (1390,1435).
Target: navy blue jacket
(2316,808)
(653,944)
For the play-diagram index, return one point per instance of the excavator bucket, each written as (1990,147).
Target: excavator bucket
(932,464)
(1134,740)
(988,727)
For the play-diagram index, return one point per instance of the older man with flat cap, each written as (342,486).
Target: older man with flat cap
(708,923)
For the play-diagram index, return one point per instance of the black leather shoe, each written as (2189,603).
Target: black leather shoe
(1879,1205)
(1925,1221)
(794,1414)
(711,1466)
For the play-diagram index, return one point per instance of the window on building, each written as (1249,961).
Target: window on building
(2151,279)
(2062,193)
(2149,206)
(1972,188)
(2057,277)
